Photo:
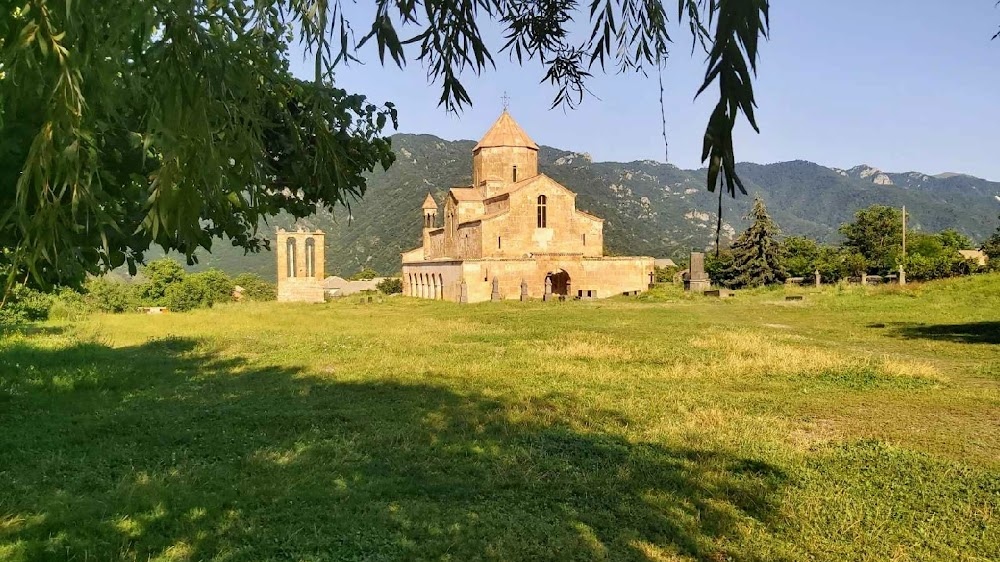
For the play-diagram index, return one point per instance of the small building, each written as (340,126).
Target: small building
(664,262)
(339,287)
(300,257)
(515,230)
(978,257)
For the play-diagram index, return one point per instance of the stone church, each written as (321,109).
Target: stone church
(515,233)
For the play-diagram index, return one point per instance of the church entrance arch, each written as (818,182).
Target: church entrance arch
(560,282)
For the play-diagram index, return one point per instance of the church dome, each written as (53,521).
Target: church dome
(506,132)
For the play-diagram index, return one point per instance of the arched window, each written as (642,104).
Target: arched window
(290,257)
(541,211)
(310,257)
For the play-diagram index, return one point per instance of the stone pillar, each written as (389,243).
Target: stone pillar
(495,296)
(548,289)
(902,276)
(524,290)
(819,279)
(569,288)
(864,278)
(463,296)
(697,280)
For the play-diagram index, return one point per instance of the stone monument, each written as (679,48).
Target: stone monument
(819,279)
(548,289)
(464,295)
(697,280)
(524,290)
(495,295)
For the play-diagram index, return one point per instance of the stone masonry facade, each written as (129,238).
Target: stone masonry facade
(301,258)
(514,225)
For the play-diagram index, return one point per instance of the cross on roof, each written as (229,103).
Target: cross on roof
(506,100)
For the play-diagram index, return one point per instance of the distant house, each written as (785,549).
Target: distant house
(977,256)
(335,286)
(664,262)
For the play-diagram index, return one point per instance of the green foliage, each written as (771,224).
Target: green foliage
(719,268)
(877,235)
(951,238)
(108,295)
(255,288)
(664,274)
(390,285)
(991,247)
(833,265)
(365,274)
(758,257)
(25,304)
(187,294)
(801,255)
(68,304)
(140,138)
(217,286)
(159,275)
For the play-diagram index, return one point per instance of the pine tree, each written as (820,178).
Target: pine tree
(757,254)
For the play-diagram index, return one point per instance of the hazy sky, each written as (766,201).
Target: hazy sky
(903,85)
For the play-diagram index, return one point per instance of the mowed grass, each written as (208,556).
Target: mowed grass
(858,424)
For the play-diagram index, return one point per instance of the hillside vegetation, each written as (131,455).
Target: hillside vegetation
(858,424)
(650,208)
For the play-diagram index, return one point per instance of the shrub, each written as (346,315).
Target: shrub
(68,304)
(366,274)
(215,285)
(255,288)
(188,294)
(107,295)
(25,304)
(160,274)
(390,285)
(664,274)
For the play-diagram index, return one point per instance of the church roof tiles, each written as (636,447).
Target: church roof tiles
(506,132)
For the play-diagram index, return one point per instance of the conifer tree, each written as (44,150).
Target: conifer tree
(757,254)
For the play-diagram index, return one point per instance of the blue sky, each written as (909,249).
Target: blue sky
(903,85)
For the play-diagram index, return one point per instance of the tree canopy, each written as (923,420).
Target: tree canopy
(176,122)
(758,257)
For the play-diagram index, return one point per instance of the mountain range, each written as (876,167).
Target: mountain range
(650,208)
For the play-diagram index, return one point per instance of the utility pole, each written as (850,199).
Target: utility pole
(902,272)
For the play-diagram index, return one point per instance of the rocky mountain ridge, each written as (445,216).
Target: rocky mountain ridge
(649,207)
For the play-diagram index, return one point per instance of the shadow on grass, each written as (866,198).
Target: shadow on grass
(972,332)
(168,451)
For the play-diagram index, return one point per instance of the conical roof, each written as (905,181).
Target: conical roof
(506,132)
(429,202)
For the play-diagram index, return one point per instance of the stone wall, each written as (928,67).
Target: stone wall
(497,163)
(301,258)
(588,277)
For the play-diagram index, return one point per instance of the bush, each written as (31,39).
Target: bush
(25,304)
(68,304)
(107,295)
(390,285)
(215,285)
(188,294)
(664,274)
(160,274)
(255,288)
(366,274)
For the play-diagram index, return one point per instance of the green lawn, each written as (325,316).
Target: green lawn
(855,425)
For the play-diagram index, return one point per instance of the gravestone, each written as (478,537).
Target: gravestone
(697,278)
(902,276)
(495,296)
(548,289)
(818,279)
(793,298)
(718,293)
(524,290)
(464,295)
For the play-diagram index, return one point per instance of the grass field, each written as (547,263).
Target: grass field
(859,424)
